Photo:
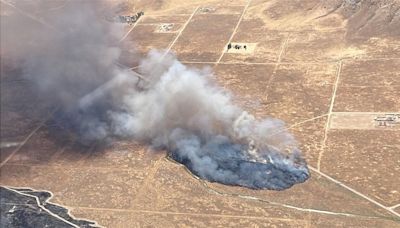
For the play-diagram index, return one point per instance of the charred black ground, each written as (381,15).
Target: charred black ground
(24,207)
(272,171)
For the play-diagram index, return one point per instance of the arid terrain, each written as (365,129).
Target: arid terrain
(329,69)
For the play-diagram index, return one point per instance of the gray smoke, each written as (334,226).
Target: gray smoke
(71,58)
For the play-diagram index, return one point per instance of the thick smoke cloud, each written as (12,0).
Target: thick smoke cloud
(71,58)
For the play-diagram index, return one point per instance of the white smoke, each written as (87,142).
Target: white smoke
(177,108)
(178,97)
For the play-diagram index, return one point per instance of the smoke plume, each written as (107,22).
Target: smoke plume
(71,57)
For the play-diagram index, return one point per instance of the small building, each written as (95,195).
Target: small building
(388,120)
(129,19)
